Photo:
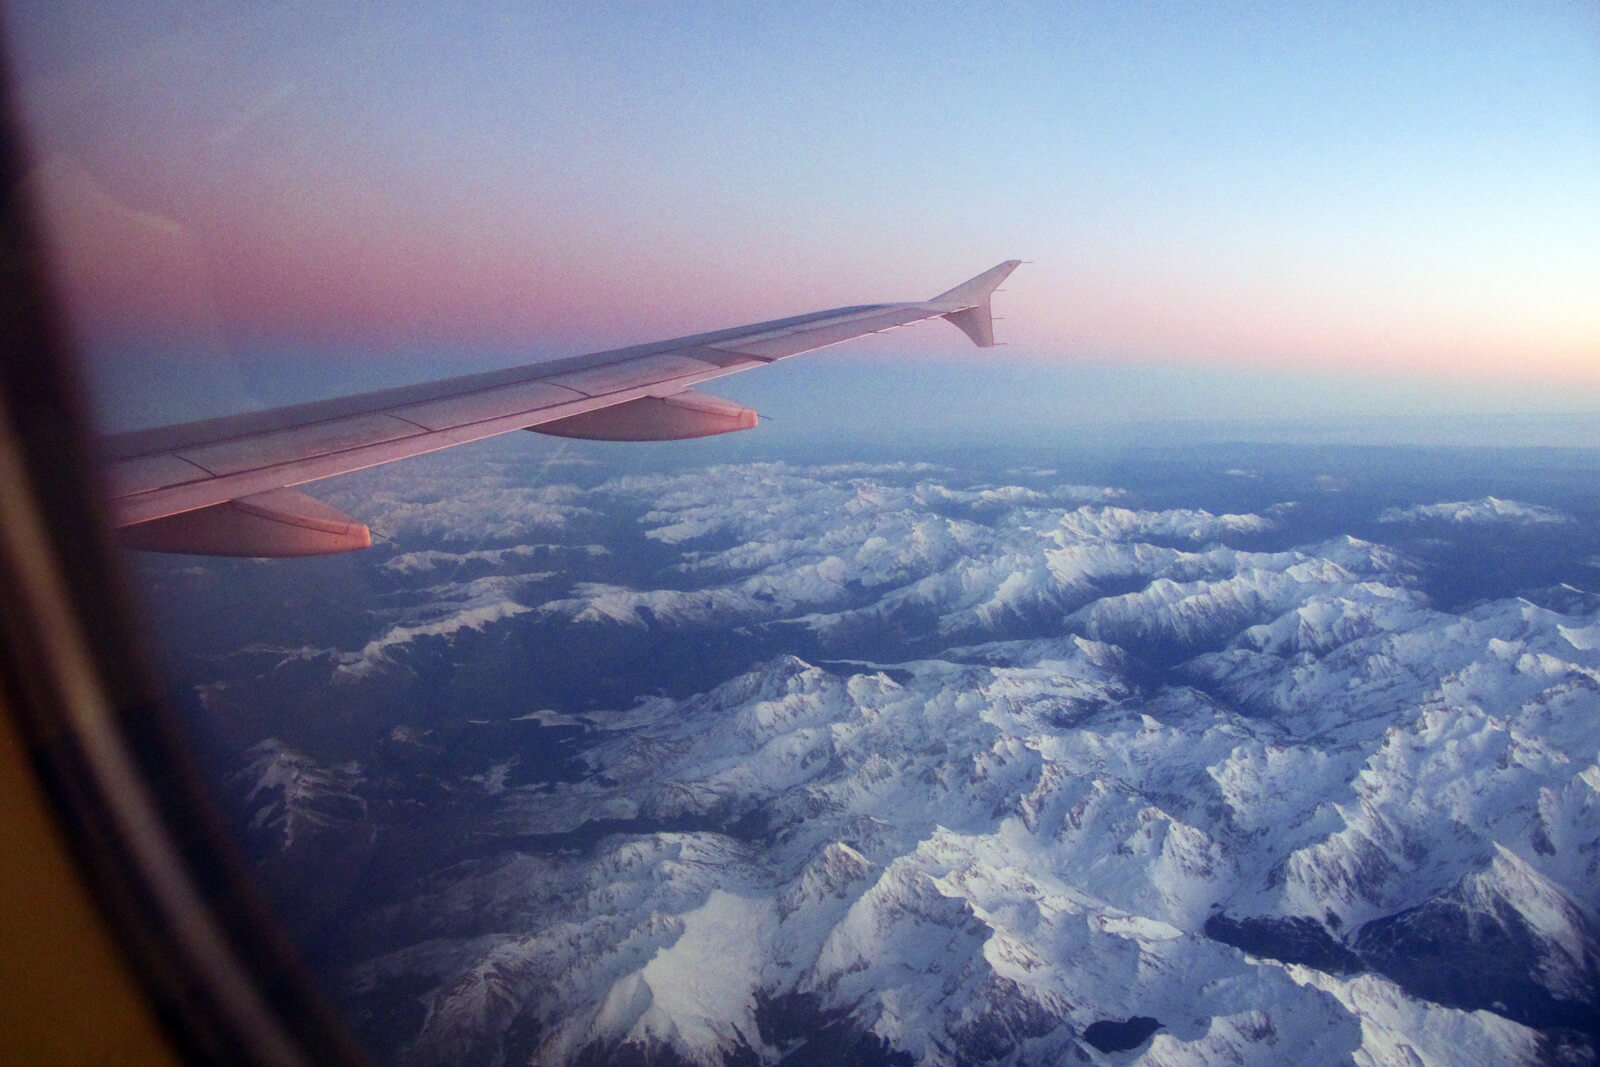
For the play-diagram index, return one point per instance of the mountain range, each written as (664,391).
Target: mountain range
(902,763)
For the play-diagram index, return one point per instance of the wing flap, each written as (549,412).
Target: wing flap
(140,475)
(301,442)
(635,374)
(487,404)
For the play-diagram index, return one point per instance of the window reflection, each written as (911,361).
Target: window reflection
(923,724)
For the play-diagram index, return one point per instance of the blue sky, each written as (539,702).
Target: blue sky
(1232,209)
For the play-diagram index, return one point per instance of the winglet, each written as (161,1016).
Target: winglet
(973,317)
(976,291)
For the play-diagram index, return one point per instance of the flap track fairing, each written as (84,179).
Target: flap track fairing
(282,522)
(656,418)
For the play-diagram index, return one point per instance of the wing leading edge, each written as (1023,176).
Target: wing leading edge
(221,486)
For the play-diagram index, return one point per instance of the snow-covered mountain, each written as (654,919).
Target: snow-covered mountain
(1486,511)
(1061,776)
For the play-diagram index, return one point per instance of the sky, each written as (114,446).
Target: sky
(1231,211)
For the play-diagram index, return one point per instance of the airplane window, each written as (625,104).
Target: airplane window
(1191,656)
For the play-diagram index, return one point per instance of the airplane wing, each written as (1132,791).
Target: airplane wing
(222,486)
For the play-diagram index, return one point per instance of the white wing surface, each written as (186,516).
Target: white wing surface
(221,486)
